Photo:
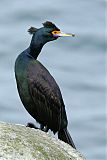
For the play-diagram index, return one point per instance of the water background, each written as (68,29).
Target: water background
(77,64)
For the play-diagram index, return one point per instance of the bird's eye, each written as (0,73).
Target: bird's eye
(55,32)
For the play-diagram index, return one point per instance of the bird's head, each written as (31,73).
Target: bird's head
(48,32)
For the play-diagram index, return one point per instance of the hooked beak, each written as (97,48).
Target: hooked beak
(61,34)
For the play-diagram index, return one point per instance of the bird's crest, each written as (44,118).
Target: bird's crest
(32,30)
(46,24)
(49,24)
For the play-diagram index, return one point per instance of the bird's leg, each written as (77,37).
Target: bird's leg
(31,125)
(41,127)
(46,129)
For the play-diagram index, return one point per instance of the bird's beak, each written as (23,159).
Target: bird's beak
(61,34)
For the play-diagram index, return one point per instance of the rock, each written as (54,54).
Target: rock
(22,143)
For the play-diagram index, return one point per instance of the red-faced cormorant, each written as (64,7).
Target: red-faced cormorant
(37,88)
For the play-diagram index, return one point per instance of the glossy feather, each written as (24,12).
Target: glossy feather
(37,88)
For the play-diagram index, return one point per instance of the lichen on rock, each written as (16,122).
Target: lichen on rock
(18,142)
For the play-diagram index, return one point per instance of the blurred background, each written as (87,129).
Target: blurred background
(77,64)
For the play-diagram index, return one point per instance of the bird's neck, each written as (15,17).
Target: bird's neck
(35,51)
(35,47)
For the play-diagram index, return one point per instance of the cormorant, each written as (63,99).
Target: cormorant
(37,88)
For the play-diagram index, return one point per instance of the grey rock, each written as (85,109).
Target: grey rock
(18,142)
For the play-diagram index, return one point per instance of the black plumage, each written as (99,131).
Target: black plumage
(37,88)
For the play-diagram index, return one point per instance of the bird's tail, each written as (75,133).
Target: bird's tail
(64,135)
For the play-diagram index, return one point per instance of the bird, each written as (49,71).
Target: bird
(38,90)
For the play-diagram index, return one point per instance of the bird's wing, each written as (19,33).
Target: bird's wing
(46,96)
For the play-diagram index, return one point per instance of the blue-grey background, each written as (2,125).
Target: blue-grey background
(78,64)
